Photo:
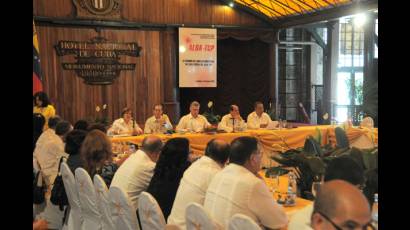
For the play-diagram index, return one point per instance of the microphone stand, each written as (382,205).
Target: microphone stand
(233,124)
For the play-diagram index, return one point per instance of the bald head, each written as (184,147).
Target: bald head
(218,150)
(151,145)
(343,203)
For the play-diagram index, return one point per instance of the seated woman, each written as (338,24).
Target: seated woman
(171,165)
(73,142)
(38,125)
(42,105)
(125,124)
(96,152)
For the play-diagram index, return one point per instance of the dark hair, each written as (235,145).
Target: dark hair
(217,151)
(38,125)
(125,110)
(43,97)
(53,121)
(62,128)
(81,125)
(344,168)
(241,149)
(97,126)
(150,145)
(95,150)
(73,141)
(257,103)
(173,160)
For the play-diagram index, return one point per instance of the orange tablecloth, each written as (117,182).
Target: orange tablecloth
(270,139)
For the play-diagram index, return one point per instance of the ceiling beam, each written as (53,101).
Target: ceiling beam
(326,14)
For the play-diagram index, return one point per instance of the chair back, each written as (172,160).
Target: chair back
(75,217)
(88,200)
(103,202)
(197,218)
(150,213)
(242,222)
(123,214)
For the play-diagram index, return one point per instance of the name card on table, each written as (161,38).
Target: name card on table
(197,57)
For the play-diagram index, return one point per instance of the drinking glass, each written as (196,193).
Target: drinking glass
(273,183)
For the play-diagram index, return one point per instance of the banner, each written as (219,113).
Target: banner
(37,79)
(197,57)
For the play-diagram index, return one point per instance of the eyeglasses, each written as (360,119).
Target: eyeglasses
(364,227)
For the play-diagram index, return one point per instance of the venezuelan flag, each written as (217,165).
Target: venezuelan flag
(37,79)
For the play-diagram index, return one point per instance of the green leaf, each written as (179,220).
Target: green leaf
(341,138)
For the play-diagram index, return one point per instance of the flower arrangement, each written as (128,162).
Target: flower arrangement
(102,116)
(210,116)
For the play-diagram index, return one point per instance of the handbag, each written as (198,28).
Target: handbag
(39,189)
(58,194)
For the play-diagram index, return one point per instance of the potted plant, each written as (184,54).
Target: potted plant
(210,116)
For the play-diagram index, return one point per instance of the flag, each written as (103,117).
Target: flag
(37,79)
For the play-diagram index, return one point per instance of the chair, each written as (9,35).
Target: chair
(88,200)
(242,222)
(150,213)
(75,219)
(197,218)
(124,216)
(103,202)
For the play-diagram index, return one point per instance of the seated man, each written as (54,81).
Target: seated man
(341,168)
(134,175)
(340,205)
(126,125)
(258,119)
(233,121)
(193,122)
(197,178)
(159,123)
(238,188)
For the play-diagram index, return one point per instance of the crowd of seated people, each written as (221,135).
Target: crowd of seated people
(225,181)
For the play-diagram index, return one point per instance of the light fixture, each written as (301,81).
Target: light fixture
(359,19)
(182,49)
(231,4)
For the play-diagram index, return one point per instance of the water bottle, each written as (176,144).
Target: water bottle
(375,210)
(292,190)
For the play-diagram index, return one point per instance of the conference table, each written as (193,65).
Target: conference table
(273,141)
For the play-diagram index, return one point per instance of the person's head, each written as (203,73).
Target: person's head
(173,159)
(62,128)
(158,111)
(126,114)
(258,108)
(95,151)
(40,99)
(340,205)
(345,168)
(234,111)
(38,123)
(73,141)
(218,150)
(194,108)
(246,151)
(81,125)
(152,146)
(53,121)
(97,126)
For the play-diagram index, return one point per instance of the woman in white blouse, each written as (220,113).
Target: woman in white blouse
(126,124)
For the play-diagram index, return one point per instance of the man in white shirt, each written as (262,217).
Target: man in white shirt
(134,175)
(126,125)
(239,189)
(340,205)
(193,122)
(341,168)
(233,121)
(159,123)
(197,178)
(258,119)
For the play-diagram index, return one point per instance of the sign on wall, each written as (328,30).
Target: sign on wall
(197,57)
(97,60)
(98,9)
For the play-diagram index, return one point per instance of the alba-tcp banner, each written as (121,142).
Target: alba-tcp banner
(197,57)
